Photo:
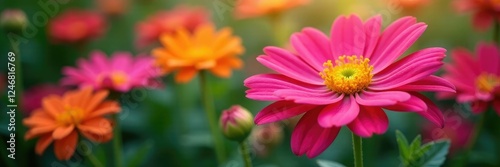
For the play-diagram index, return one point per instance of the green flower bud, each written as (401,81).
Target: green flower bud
(13,20)
(236,123)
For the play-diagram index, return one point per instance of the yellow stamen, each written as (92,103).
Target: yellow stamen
(487,82)
(118,78)
(70,116)
(199,52)
(349,75)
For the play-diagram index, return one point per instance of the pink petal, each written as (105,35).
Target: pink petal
(372,29)
(462,84)
(371,120)
(489,58)
(121,61)
(99,60)
(414,104)
(412,68)
(302,97)
(348,36)
(433,113)
(310,138)
(339,114)
(264,86)
(395,40)
(482,20)
(313,47)
(465,65)
(385,98)
(284,62)
(430,83)
(280,110)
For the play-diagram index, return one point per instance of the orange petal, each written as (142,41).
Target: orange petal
(98,125)
(170,42)
(221,71)
(106,107)
(40,119)
(233,62)
(95,100)
(65,147)
(62,132)
(204,34)
(98,137)
(43,143)
(185,75)
(205,64)
(53,104)
(84,96)
(38,130)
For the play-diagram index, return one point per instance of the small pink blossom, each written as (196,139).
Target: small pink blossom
(76,26)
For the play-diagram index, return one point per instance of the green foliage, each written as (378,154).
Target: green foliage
(326,163)
(416,155)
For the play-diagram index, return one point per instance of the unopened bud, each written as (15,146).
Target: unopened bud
(13,20)
(236,123)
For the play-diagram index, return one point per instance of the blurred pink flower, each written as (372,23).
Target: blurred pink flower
(347,79)
(485,11)
(32,97)
(121,72)
(76,26)
(185,17)
(255,8)
(456,128)
(265,137)
(477,78)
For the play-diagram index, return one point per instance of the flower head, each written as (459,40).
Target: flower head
(205,49)
(168,21)
(62,118)
(236,123)
(347,79)
(32,97)
(76,26)
(13,20)
(254,8)
(477,78)
(485,11)
(113,7)
(121,72)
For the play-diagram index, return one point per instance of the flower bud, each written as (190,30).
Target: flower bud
(236,123)
(13,20)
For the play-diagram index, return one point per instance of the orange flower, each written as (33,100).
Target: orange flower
(61,118)
(410,4)
(205,49)
(254,8)
(113,7)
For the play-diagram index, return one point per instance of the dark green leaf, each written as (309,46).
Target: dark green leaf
(435,155)
(404,150)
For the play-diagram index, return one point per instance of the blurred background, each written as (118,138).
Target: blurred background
(167,126)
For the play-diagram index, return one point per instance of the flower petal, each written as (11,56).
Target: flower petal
(281,110)
(185,74)
(62,132)
(263,86)
(371,120)
(284,62)
(433,113)
(313,47)
(372,30)
(65,147)
(489,58)
(339,114)
(414,104)
(385,98)
(430,83)
(348,36)
(97,126)
(43,143)
(310,138)
(482,20)
(303,97)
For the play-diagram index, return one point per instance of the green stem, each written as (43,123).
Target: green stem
(245,154)
(20,129)
(357,148)
(95,162)
(117,141)
(472,141)
(212,118)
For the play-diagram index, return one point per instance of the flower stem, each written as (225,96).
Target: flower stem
(117,141)
(212,117)
(357,148)
(245,154)
(472,141)
(95,162)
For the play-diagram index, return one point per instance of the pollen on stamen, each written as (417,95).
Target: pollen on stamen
(349,75)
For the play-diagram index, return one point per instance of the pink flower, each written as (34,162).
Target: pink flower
(485,11)
(32,97)
(121,72)
(189,18)
(456,128)
(76,26)
(477,78)
(347,79)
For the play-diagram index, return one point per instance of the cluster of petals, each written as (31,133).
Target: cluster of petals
(298,86)
(485,12)
(76,26)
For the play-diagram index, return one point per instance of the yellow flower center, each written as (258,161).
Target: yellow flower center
(487,82)
(118,78)
(70,116)
(351,74)
(271,4)
(199,52)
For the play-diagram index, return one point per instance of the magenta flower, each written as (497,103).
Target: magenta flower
(456,128)
(121,72)
(347,79)
(477,78)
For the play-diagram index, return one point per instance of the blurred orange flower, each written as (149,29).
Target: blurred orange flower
(410,4)
(75,26)
(205,49)
(61,118)
(254,8)
(168,21)
(113,7)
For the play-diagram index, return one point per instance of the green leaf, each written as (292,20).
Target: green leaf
(404,150)
(435,155)
(326,163)
(415,144)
